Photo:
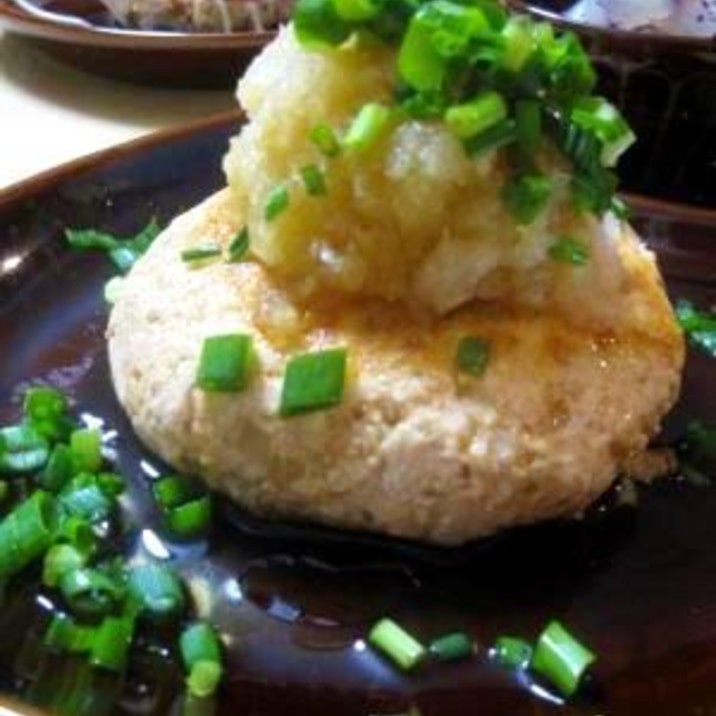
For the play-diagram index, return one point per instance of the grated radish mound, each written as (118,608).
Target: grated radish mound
(412,219)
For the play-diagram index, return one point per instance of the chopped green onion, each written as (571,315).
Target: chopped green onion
(239,246)
(60,559)
(452,647)
(606,122)
(76,531)
(277,202)
(473,355)
(314,180)
(112,289)
(111,484)
(83,498)
(367,126)
(201,654)
(66,636)
(317,24)
(157,592)
(225,363)
(496,137)
(86,447)
(46,411)
(397,644)
(476,116)
(699,326)
(356,10)
(519,43)
(4,490)
(174,491)
(512,653)
(526,197)
(560,658)
(124,253)
(313,381)
(111,643)
(26,533)
(191,519)
(324,138)
(419,62)
(90,592)
(22,449)
(201,253)
(569,251)
(528,117)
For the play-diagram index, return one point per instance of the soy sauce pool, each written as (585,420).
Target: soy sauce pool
(638,586)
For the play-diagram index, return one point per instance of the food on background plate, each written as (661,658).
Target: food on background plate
(417,308)
(687,17)
(201,15)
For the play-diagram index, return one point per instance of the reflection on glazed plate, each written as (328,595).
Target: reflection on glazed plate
(638,585)
(81,33)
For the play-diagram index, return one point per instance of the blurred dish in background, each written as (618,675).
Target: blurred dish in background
(84,33)
(664,83)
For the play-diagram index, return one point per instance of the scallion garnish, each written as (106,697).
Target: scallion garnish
(112,289)
(699,326)
(174,491)
(111,642)
(512,652)
(560,658)
(501,135)
(367,126)
(452,647)
(317,24)
(276,203)
(201,253)
(526,197)
(82,497)
(22,449)
(156,592)
(191,519)
(201,654)
(58,470)
(324,138)
(314,180)
(225,363)
(66,636)
(397,644)
(313,381)
(356,10)
(90,592)
(528,118)
(86,447)
(239,246)
(567,250)
(477,116)
(60,559)
(27,533)
(46,411)
(473,355)
(123,252)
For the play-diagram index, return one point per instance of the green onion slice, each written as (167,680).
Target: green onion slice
(526,197)
(22,449)
(157,592)
(239,246)
(313,381)
(452,647)
(478,115)
(318,26)
(324,138)
(86,447)
(561,659)
(512,652)
(569,251)
(90,592)
(397,644)
(46,410)
(67,636)
(225,363)
(699,326)
(60,559)
(314,180)
(111,643)
(367,126)
(473,355)
(26,533)
(201,253)
(201,654)
(192,519)
(276,203)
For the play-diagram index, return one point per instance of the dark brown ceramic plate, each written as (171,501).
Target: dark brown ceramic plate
(637,585)
(80,32)
(666,87)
